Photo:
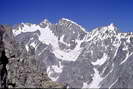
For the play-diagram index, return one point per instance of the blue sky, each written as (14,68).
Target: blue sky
(88,13)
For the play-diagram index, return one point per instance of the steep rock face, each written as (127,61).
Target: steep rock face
(3,60)
(18,68)
(68,54)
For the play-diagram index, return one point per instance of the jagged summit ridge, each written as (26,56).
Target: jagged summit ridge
(71,22)
(110,28)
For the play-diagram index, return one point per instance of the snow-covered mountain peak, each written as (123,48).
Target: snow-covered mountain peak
(67,22)
(113,27)
(109,29)
(103,32)
(45,22)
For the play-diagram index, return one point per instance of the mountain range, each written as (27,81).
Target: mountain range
(65,55)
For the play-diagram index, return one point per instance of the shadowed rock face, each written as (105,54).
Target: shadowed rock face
(3,60)
(68,55)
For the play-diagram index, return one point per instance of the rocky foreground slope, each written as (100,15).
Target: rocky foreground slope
(18,68)
(65,54)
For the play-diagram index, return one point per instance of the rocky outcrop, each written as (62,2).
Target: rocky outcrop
(18,68)
(3,60)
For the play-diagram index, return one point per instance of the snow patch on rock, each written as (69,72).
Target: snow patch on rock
(102,60)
